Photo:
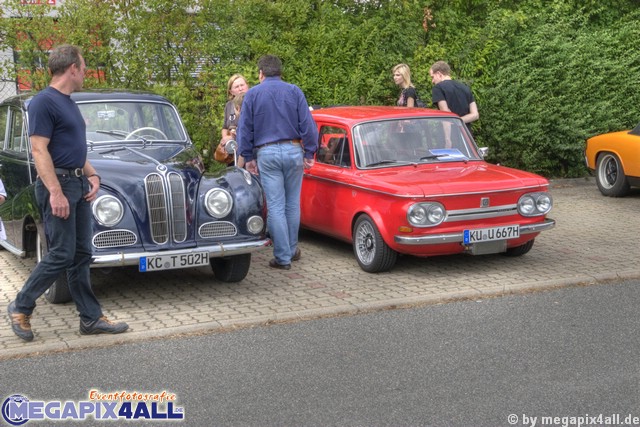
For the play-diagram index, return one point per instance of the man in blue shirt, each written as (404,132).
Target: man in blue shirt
(67,184)
(276,123)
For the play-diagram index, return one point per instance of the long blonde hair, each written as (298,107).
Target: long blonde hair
(405,71)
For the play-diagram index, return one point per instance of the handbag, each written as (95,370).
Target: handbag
(221,155)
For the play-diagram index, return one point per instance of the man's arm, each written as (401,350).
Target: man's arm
(473,114)
(443,106)
(94,180)
(46,172)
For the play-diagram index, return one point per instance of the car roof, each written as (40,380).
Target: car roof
(92,95)
(356,114)
(111,95)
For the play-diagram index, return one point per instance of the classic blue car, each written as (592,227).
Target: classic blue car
(156,208)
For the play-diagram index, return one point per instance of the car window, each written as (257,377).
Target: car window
(414,140)
(334,147)
(17,140)
(3,125)
(118,121)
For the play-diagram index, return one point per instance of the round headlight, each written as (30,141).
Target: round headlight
(544,203)
(417,215)
(435,214)
(107,210)
(255,224)
(534,204)
(218,202)
(426,214)
(527,206)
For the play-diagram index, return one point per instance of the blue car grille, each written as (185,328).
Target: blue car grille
(114,238)
(166,203)
(217,229)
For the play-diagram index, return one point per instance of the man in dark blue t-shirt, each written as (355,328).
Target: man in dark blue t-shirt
(452,95)
(66,185)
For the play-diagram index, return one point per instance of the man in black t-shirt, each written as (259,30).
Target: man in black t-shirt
(452,95)
(67,183)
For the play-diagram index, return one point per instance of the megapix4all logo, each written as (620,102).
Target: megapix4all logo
(18,409)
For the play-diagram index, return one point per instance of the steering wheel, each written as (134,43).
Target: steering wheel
(146,129)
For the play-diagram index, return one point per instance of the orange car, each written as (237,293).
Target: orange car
(615,158)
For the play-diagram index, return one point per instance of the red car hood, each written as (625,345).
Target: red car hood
(447,178)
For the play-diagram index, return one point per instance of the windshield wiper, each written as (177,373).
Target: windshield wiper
(389,162)
(113,132)
(433,156)
(115,150)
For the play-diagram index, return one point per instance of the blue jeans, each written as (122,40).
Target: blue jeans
(281,167)
(69,250)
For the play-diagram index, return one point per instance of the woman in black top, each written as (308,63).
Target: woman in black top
(402,77)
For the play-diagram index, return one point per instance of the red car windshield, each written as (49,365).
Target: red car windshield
(414,140)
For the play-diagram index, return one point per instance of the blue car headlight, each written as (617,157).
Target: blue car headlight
(218,202)
(107,210)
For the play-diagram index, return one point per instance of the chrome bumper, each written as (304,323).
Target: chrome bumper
(215,251)
(438,239)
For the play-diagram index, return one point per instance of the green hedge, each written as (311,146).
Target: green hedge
(546,75)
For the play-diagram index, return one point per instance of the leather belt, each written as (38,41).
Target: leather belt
(284,141)
(77,172)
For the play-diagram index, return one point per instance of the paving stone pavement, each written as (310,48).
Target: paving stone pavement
(595,240)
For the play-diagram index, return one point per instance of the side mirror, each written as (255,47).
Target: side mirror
(231,147)
(483,151)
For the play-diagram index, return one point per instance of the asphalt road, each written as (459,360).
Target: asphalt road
(503,361)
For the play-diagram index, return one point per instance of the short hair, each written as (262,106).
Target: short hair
(270,66)
(441,67)
(230,83)
(62,57)
(237,101)
(405,71)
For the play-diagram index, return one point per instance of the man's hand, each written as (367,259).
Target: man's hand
(252,167)
(95,186)
(308,163)
(59,205)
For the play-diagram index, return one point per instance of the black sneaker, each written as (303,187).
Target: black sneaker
(102,326)
(297,255)
(274,264)
(20,322)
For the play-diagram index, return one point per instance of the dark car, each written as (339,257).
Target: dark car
(156,208)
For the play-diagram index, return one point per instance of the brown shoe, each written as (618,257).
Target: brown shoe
(20,322)
(274,264)
(297,255)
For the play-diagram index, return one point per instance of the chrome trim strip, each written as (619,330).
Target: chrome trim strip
(438,239)
(17,252)
(428,197)
(215,251)
(481,213)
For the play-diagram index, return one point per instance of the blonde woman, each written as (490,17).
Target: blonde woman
(402,77)
(236,85)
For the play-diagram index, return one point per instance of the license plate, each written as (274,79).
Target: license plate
(492,233)
(169,262)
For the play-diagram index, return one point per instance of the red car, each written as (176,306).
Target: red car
(412,181)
